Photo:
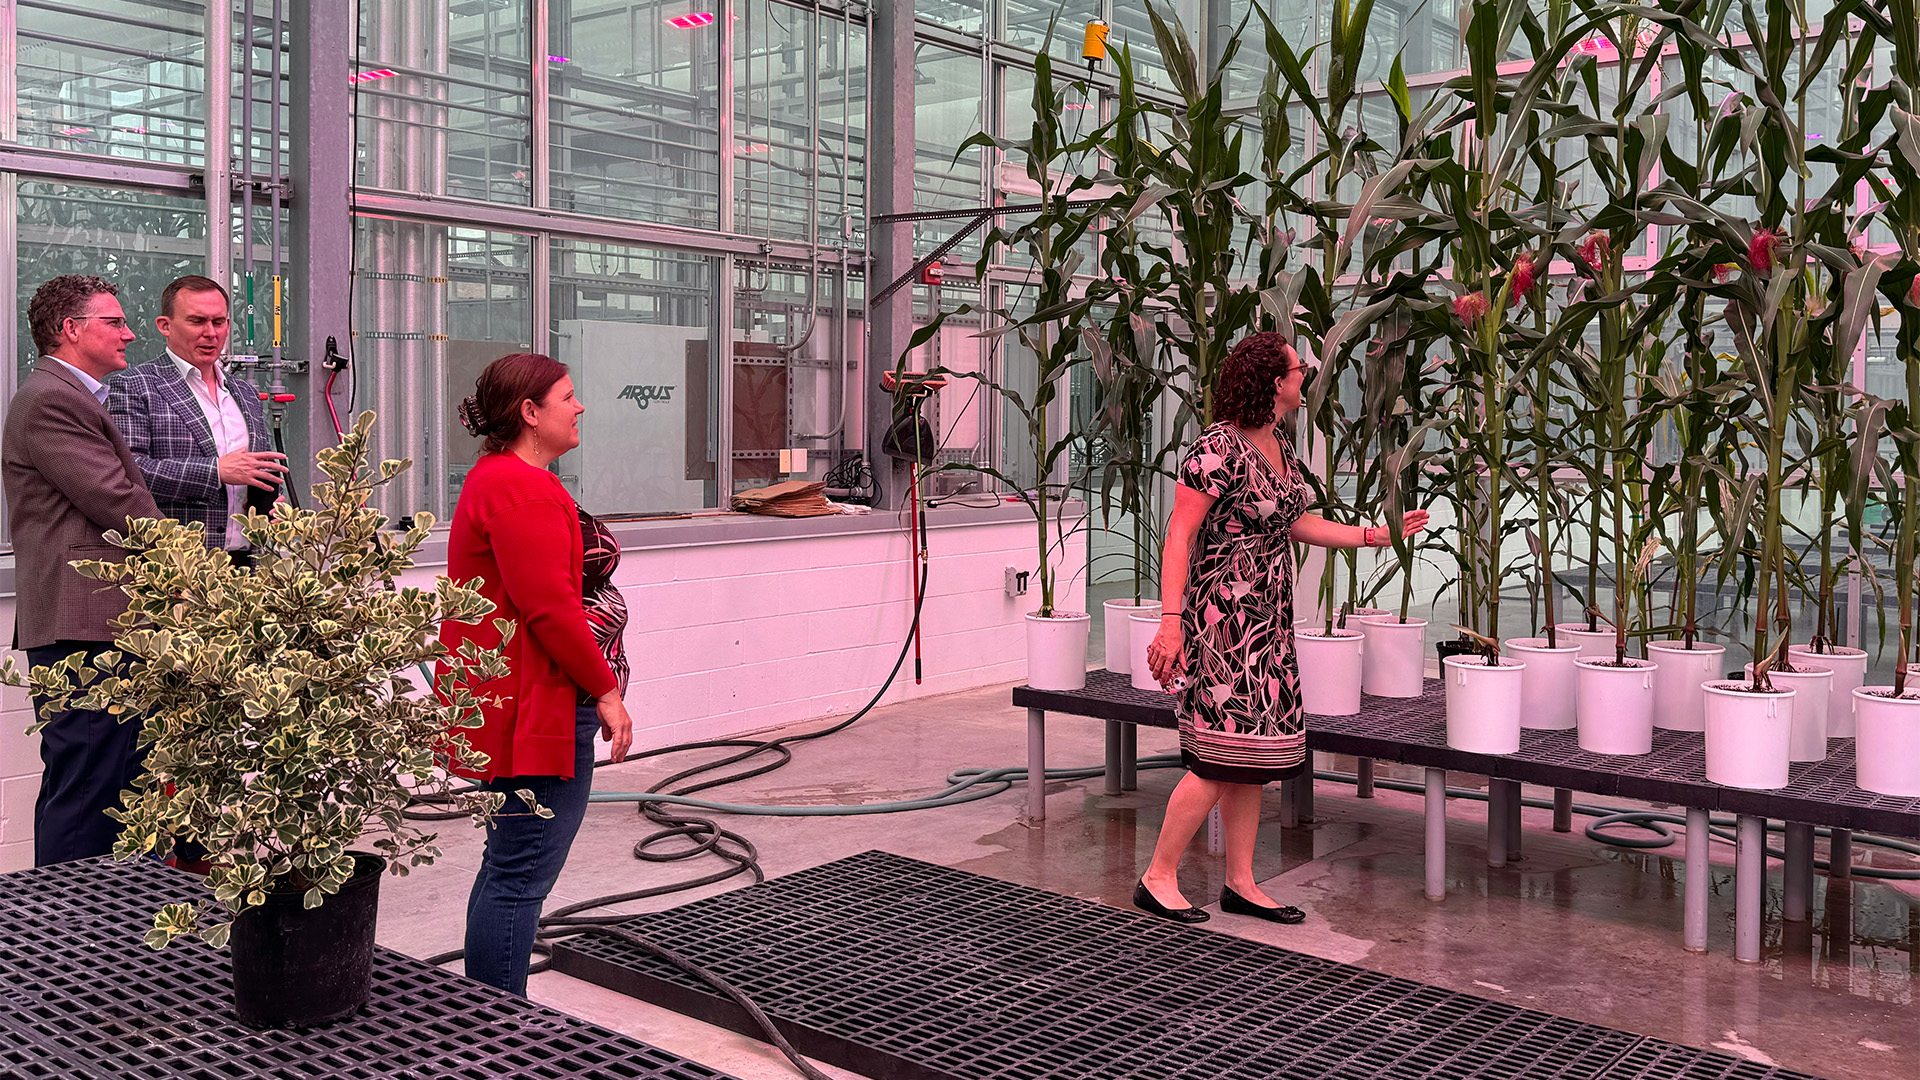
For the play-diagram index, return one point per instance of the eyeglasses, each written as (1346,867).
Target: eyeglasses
(116,322)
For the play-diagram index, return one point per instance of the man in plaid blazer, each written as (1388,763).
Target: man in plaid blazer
(198,433)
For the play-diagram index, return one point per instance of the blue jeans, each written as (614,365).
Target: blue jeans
(523,859)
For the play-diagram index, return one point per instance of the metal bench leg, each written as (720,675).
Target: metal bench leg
(1216,833)
(1113,758)
(1364,789)
(1436,834)
(1497,823)
(1562,810)
(1514,797)
(1840,853)
(1305,796)
(1129,757)
(1749,887)
(1797,898)
(1699,878)
(1289,804)
(1036,765)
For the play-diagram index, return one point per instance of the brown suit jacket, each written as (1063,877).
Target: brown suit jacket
(69,478)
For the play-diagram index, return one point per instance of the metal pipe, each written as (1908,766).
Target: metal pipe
(217,145)
(1840,853)
(1562,810)
(1749,885)
(1364,770)
(1036,765)
(1113,753)
(275,174)
(1436,843)
(1515,802)
(1698,884)
(1797,893)
(1497,823)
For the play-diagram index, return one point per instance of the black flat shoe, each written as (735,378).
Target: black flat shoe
(1144,900)
(1234,904)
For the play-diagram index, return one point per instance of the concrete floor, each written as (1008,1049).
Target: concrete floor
(1575,928)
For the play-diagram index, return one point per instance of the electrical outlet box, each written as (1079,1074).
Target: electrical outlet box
(786,461)
(1016,581)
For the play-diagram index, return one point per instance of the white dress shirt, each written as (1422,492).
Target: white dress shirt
(229,427)
(94,386)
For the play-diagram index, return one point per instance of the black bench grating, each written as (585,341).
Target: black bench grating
(1414,731)
(82,996)
(908,971)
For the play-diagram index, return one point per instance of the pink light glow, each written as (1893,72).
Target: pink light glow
(75,130)
(369,76)
(691,20)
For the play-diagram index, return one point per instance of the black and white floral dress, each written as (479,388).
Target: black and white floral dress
(1240,716)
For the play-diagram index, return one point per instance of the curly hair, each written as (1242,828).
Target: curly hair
(492,411)
(1244,395)
(59,299)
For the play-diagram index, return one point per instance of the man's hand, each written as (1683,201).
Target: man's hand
(261,470)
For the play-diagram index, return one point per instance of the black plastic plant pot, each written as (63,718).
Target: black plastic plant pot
(1456,647)
(300,968)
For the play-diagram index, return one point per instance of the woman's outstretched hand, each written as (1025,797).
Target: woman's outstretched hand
(1166,653)
(1412,522)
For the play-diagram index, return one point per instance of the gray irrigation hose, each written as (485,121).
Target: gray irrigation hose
(977,782)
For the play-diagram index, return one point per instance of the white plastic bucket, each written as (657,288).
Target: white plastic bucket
(1849,674)
(1547,686)
(1142,626)
(1886,745)
(1613,706)
(1483,704)
(1592,643)
(1118,634)
(1748,735)
(1329,671)
(1057,650)
(1393,661)
(1678,702)
(1812,707)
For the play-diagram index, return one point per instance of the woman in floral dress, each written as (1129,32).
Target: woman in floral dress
(1225,645)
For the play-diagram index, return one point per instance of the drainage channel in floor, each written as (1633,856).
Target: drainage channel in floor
(903,970)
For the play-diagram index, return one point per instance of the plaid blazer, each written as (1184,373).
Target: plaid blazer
(160,417)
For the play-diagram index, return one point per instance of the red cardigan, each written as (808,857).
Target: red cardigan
(517,530)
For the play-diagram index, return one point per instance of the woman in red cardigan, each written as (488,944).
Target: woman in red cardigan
(519,532)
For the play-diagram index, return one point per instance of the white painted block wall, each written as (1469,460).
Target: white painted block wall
(734,637)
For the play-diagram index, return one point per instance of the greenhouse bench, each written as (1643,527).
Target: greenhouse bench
(1412,731)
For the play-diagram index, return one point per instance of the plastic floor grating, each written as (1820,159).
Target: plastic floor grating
(903,970)
(1414,731)
(82,996)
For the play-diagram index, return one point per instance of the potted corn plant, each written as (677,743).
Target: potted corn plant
(1050,326)
(282,730)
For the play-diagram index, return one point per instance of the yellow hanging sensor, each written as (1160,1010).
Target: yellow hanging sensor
(1094,46)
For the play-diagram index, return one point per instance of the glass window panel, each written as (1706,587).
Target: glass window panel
(1295,21)
(434,305)
(966,16)
(635,325)
(791,353)
(775,105)
(113,77)
(1132,27)
(947,109)
(842,104)
(139,242)
(1025,24)
(444,105)
(635,112)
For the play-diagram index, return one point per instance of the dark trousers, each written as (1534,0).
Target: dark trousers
(523,859)
(89,756)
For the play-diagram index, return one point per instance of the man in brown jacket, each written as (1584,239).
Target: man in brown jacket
(69,478)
